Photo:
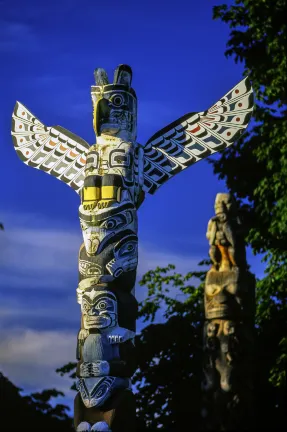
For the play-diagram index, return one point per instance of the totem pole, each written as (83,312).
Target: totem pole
(112,177)
(229,301)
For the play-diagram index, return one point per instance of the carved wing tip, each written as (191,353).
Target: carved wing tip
(18,105)
(15,108)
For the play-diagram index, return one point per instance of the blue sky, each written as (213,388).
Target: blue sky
(48,52)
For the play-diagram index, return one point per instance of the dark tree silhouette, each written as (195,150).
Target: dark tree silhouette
(33,412)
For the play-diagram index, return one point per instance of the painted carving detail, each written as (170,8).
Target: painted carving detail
(112,177)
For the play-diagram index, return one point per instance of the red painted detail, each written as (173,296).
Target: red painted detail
(21,140)
(23,113)
(208,124)
(27,152)
(228,133)
(236,91)
(196,129)
(240,104)
(237,119)
(20,127)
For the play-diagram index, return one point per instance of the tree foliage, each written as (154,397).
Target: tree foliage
(255,168)
(33,412)
(169,354)
(255,171)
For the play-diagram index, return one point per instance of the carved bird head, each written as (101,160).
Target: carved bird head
(115,105)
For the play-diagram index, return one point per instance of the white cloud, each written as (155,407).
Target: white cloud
(26,253)
(54,311)
(29,358)
(150,258)
(40,348)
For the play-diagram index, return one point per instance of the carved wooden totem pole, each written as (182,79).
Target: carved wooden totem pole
(111,178)
(229,324)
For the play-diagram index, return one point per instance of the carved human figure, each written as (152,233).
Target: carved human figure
(227,251)
(112,177)
(105,351)
(229,307)
(101,311)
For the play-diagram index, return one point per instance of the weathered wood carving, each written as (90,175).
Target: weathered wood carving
(228,329)
(112,177)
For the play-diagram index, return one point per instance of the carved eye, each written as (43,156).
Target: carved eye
(118,100)
(102,305)
(110,224)
(128,248)
(115,222)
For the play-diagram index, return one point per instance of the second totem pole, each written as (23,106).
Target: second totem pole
(112,177)
(229,302)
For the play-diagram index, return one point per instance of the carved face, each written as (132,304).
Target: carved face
(221,301)
(100,230)
(223,203)
(222,295)
(91,238)
(115,105)
(95,391)
(99,309)
(125,256)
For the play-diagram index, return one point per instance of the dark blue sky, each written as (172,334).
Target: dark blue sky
(48,52)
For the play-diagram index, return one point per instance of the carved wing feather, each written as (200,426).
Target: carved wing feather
(54,150)
(195,136)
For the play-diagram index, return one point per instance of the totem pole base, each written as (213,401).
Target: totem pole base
(119,412)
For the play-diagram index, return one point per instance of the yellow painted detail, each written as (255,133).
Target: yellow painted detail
(105,204)
(109,192)
(91,193)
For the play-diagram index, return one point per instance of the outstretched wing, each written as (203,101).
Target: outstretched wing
(54,150)
(195,136)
